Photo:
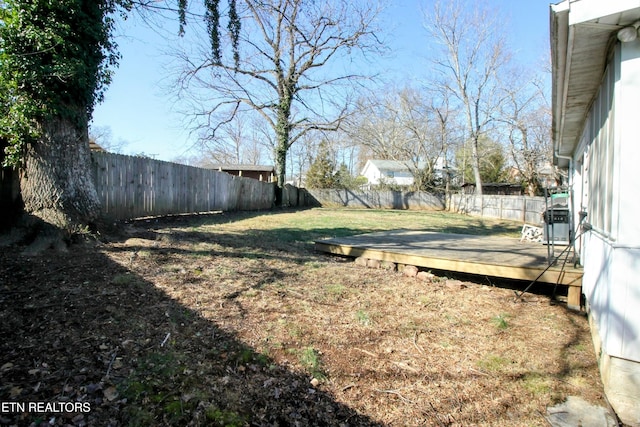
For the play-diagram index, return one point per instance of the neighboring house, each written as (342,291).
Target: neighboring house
(259,172)
(547,176)
(94,146)
(394,172)
(596,133)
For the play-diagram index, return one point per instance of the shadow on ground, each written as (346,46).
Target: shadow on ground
(188,228)
(78,327)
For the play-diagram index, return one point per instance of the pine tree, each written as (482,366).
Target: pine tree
(322,173)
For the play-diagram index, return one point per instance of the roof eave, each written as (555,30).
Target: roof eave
(581,34)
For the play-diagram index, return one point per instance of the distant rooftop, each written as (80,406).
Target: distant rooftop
(395,165)
(253,168)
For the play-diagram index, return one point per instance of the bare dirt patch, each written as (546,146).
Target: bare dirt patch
(233,319)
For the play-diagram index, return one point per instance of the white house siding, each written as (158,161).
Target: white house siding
(628,142)
(606,168)
(611,253)
(626,283)
(400,178)
(611,288)
(596,132)
(610,285)
(389,172)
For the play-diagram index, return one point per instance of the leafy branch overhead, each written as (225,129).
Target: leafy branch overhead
(52,63)
(56,59)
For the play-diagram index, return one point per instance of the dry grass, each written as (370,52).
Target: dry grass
(400,351)
(234,319)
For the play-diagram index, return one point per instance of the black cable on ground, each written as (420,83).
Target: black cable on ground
(564,263)
(583,216)
(540,275)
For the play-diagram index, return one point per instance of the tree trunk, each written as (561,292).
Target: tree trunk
(283,128)
(281,164)
(56,184)
(475,163)
(473,123)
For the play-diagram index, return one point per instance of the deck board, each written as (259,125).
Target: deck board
(484,255)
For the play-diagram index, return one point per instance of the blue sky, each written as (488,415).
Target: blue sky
(139,109)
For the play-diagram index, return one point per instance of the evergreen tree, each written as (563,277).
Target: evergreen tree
(322,173)
(492,162)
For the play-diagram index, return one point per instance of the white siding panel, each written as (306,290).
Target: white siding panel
(600,135)
(628,146)
(596,280)
(610,284)
(611,251)
(625,318)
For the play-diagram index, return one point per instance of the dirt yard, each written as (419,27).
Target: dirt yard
(234,319)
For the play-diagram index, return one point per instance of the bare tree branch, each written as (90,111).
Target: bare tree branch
(473,55)
(283,73)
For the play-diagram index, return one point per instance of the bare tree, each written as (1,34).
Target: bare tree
(472,55)
(347,151)
(292,69)
(235,143)
(103,137)
(527,116)
(447,130)
(302,154)
(376,126)
(405,125)
(254,148)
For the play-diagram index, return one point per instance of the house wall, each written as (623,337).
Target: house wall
(377,176)
(267,176)
(372,173)
(604,177)
(400,178)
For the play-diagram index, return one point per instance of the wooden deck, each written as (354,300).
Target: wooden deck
(491,256)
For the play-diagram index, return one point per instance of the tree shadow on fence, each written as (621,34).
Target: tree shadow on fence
(79,328)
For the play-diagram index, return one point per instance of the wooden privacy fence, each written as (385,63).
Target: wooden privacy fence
(297,197)
(518,208)
(379,199)
(133,187)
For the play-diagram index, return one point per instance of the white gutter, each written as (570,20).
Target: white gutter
(559,37)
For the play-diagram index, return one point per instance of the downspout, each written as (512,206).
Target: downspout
(556,154)
(563,156)
(582,215)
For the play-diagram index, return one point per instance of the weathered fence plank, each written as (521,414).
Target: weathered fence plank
(379,199)
(132,187)
(517,208)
